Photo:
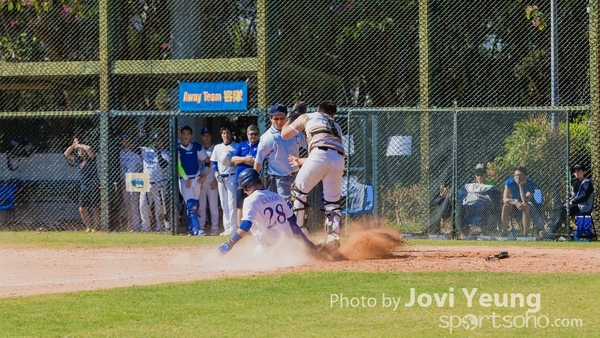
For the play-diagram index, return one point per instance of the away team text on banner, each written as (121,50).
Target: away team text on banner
(213,96)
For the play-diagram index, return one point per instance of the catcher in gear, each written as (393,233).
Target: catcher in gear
(325,162)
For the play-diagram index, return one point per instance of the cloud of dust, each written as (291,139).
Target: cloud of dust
(371,244)
(246,255)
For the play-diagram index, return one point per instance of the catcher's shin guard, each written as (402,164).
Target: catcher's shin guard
(300,208)
(333,223)
(193,227)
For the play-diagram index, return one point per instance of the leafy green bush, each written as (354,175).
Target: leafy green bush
(534,146)
(402,207)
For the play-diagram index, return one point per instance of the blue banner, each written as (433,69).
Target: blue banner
(213,96)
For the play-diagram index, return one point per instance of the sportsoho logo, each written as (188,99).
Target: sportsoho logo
(470,322)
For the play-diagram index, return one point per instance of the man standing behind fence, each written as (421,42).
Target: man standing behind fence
(243,158)
(225,174)
(130,162)
(156,161)
(89,194)
(208,192)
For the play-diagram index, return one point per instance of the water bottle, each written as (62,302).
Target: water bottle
(575,236)
(511,235)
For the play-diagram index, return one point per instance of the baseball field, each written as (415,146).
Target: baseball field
(74,284)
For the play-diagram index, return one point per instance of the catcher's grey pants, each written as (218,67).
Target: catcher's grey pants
(321,165)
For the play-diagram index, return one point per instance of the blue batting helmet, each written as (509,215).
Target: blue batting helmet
(247,178)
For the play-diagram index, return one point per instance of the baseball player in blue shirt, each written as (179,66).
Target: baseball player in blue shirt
(276,150)
(190,155)
(325,162)
(243,157)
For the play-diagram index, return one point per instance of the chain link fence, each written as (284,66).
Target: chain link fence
(422,166)
(501,84)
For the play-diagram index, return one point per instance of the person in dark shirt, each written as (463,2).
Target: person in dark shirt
(83,156)
(581,201)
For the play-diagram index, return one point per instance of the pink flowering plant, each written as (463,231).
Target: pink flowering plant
(538,18)
(165,50)
(28,29)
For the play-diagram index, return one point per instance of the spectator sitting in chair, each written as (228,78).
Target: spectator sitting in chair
(481,175)
(518,192)
(582,199)
(479,202)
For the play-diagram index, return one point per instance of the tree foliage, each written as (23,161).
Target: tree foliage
(534,146)
(47,30)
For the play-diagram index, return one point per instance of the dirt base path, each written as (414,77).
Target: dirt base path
(25,272)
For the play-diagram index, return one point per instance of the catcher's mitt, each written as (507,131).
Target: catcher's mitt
(299,109)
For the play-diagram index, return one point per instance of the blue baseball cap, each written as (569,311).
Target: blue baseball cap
(157,136)
(205,130)
(125,136)
(278,108)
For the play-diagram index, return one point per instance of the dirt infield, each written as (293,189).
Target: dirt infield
(39,271)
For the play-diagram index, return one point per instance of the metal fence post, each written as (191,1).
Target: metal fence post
(104,178)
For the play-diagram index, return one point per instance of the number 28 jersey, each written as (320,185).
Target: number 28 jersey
(269,215)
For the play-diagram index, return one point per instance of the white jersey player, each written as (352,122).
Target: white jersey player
(130,162)
(209,194)
(265,214)
(325,163)
(224,170)
(155,163)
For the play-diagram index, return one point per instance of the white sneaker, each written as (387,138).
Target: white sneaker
(228,232)
(333,241)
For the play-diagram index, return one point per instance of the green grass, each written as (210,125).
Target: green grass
(79,239)
(299,305)
(556,244)
(296,304)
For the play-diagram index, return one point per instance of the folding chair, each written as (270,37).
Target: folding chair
(357,203)
(585,228)
(7,199)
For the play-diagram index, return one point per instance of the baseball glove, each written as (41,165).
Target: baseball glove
(299,109)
